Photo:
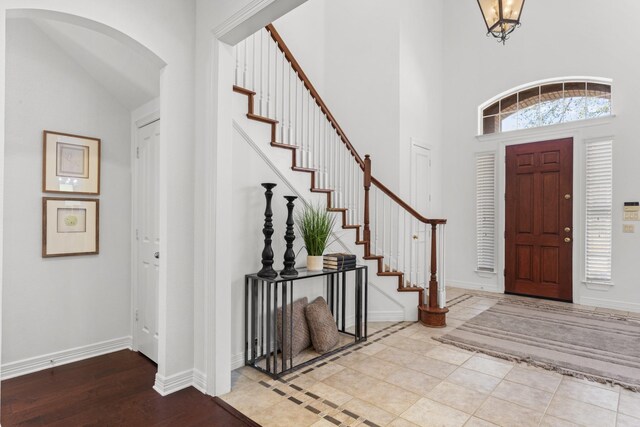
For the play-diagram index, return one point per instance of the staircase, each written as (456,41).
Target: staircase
(402,242)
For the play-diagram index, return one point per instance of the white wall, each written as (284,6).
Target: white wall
(164,32)
(378,66)
(56,304)
(421,58)
(194,297)
(304,30)
(580,38)
(363,79)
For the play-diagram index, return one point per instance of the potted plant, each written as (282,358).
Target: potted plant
(315,225)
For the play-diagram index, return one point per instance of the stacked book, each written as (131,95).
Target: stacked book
(339,261)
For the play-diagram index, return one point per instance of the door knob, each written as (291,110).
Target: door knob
(415,237)
(567,239)
(567,229)
(567,196)
(156,255)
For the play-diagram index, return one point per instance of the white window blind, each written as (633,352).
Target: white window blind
(599,206)
(486,211)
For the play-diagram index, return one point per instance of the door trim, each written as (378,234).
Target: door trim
(140,118)
(578,170)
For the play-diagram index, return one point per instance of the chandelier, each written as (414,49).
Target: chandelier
(501,17)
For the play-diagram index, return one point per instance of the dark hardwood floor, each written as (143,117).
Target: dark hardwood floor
(110,390)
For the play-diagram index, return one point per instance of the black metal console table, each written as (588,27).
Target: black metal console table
(264,297)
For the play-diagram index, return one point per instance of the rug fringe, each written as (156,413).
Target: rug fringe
(547,366)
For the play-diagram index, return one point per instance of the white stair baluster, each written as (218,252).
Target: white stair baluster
(244,64)
(260,77)
(375,209)
(268,109)
(404,248)
(253,63)
(236,78)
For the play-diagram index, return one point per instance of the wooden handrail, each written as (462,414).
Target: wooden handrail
(307,83)
(334,123)
(405,205)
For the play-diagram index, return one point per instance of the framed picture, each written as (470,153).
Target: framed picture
(69,226)
(71,164)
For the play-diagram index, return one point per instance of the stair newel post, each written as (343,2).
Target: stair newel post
(433,280)
(432,315)
(366,234)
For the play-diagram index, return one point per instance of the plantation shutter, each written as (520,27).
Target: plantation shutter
(599,206)
(486,211)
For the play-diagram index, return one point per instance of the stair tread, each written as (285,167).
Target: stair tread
(337,209)
(240,89)
(261,118)
(301,169)
(348,226)
(321,190)
(407,289)
(285,146)
(389,273)
(372,257)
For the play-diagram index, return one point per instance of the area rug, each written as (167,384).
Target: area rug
(595,346)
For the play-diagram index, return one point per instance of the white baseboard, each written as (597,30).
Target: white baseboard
(613,304)
(200,381)
(386,316)
(176,382)
(172,383)
(46,361)
(473,286)
(237,360)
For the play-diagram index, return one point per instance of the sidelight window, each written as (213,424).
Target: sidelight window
(599,210)
(486,211)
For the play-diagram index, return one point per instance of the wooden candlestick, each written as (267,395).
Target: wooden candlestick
(289,237)
(267,253)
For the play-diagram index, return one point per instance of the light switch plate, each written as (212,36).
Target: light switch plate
(628,228)
(631,216)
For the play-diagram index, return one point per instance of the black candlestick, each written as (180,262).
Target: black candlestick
(289,237)
(267,252)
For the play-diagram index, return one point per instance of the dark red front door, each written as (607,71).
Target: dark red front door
(539,226)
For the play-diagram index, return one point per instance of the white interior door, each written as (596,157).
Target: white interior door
(421,200)
(147,157)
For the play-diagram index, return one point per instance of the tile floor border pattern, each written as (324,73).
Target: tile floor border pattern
(594,405)
(313,409)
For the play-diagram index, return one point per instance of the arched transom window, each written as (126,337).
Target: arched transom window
(547,104)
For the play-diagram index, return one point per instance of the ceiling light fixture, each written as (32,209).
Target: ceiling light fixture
(501,17)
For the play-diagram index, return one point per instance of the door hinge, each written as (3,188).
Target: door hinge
(136,314)
(137,152)
(504,272)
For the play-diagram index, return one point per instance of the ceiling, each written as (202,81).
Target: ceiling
(132,79)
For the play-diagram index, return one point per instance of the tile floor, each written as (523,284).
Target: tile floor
(401,377)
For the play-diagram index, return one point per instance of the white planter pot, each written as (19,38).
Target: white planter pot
(314,263)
